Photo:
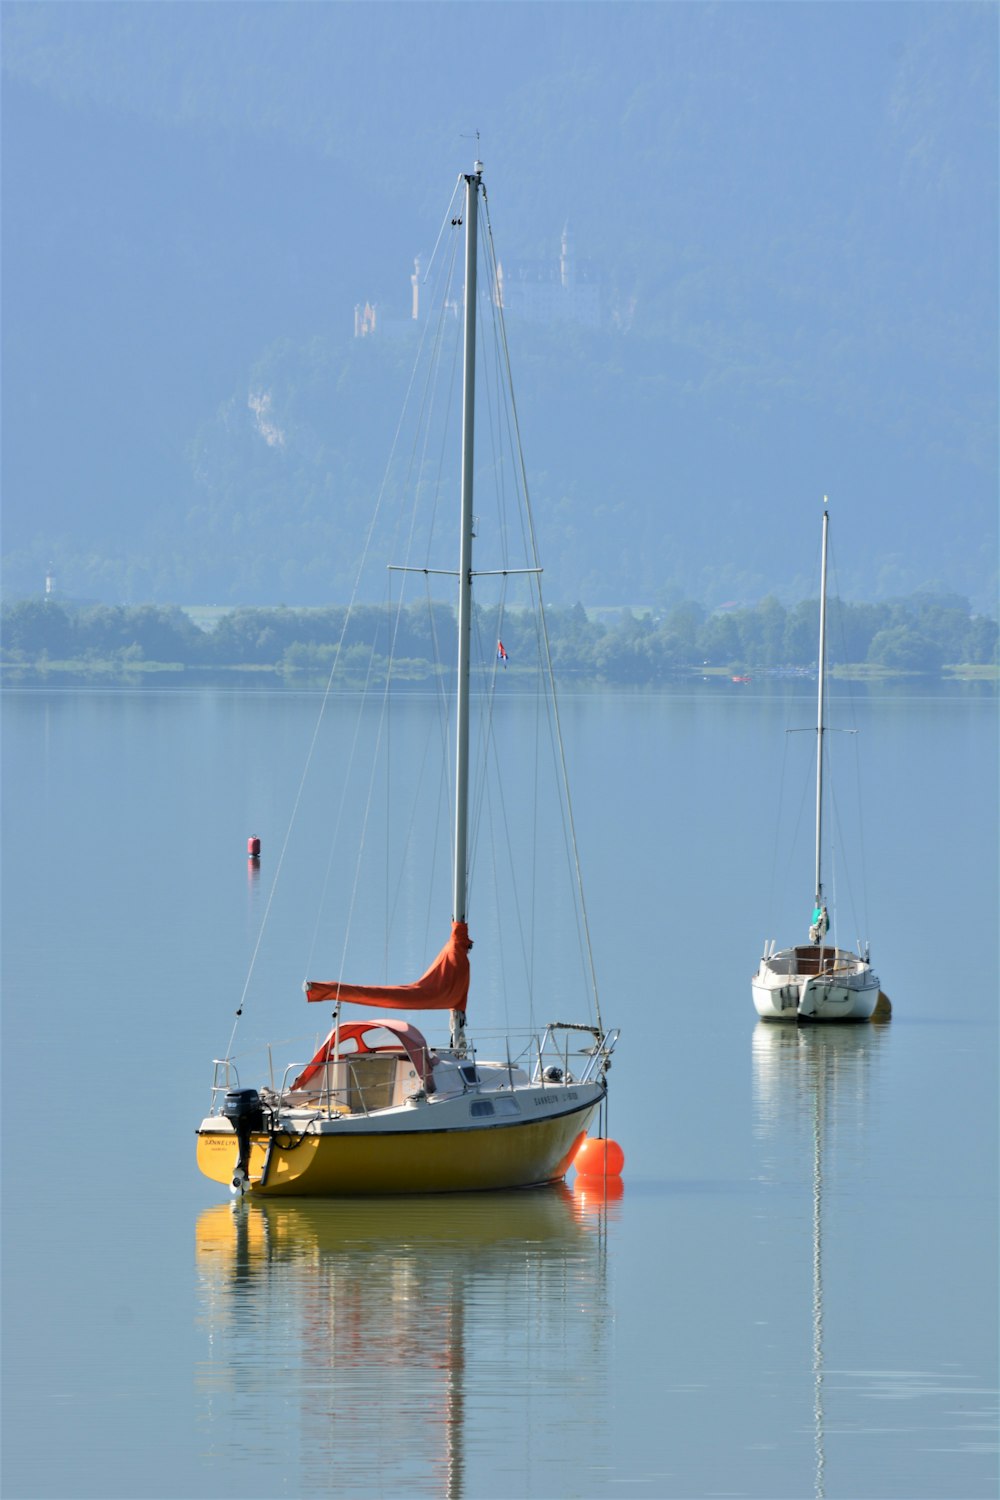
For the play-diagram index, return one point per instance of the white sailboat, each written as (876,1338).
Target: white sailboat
(379,1108)
(816,981)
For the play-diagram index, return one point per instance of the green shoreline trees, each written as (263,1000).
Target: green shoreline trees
(921,634)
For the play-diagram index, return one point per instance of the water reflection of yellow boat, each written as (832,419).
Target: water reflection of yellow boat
(375,1325)
(234,1235)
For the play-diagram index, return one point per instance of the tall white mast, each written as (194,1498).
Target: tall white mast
(819,714)
(473,181)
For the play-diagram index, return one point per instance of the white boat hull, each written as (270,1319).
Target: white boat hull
(814,984)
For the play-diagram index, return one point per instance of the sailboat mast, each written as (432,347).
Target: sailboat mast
(460,889)
(472,182)
(819,712)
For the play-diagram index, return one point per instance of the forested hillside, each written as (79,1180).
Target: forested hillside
(787,214)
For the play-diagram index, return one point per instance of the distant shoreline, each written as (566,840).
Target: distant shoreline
(924,637)
(112,673)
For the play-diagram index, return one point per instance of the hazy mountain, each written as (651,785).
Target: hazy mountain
(791,212)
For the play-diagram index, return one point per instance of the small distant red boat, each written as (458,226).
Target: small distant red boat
(741,679)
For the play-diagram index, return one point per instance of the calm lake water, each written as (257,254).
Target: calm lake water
(795,1294)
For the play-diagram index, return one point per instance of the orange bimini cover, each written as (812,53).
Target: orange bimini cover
(445,986)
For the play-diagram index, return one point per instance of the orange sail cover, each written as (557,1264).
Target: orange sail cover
(445,986)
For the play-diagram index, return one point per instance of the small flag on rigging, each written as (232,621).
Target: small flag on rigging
(501,654)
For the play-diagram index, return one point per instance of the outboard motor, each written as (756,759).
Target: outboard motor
(245,1113)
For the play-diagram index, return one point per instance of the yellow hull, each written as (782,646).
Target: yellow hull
(342,1165)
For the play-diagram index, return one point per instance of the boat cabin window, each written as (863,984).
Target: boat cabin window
(469,1073)
(378,1038)
(481,1106)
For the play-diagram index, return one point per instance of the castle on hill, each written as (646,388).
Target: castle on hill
(531,291)
(562,291)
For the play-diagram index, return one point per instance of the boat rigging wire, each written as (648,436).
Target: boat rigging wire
(852,701)
(446,223)
(505,437)
(331,677)
(835,617)
(533,553)
(423,425)
(777,843)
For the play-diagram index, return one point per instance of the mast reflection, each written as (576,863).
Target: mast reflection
(812,1083)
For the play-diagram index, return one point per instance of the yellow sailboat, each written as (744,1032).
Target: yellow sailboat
(378,1108)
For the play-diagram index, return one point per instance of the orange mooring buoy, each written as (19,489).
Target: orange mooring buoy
(599,1157)
(253,848)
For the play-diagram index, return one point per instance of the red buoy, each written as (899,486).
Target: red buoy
(599,1157)
(253,848)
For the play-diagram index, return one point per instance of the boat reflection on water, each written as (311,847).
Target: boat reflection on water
(348,1340)
(811,1092)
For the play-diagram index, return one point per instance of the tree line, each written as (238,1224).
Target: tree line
(923,633)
